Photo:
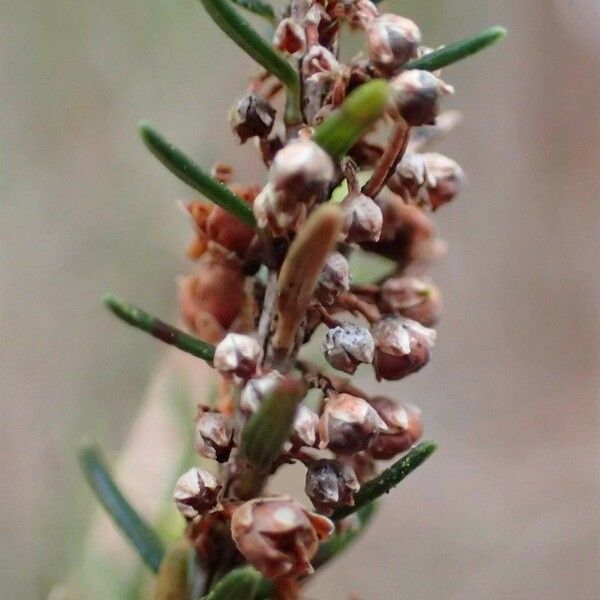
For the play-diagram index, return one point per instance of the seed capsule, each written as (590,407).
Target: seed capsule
(411,297)
(348,424)
(214,435)
(416,95)
(195,493)
(305,427)
(237,355)
(363,219)
(445,180)
(252,116)
(278,536)
(257,389)
(301,171)
(392,41)
(402,347)
(329,484)
(405,428)
(334,279)
(348,345)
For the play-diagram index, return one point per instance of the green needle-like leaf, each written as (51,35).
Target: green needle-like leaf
(388,479)
(338,542)
(361,110)
(258,7)
(243,583)
(189,172)
(458,50)
(131,524)
(155,327)
(242,33)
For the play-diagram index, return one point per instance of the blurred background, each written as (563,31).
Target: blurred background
(509,506)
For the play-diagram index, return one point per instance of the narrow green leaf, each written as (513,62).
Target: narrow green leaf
(258,7)
(131,524)
(338,542)
(458,50)
(242,33)
(361,110)
(172,578)
(189,172)
(243,583)
(136,317)
(388,479)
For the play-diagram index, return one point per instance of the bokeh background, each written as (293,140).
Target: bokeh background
(509,506)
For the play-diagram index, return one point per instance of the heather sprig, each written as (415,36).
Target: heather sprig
(272,272)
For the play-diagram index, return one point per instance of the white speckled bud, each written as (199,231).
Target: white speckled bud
(196,492)
(237,355)
(348,345)
(334,279)
(392,41)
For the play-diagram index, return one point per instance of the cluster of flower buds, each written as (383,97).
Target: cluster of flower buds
(238,298)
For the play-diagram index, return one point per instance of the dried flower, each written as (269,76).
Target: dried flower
(392,41)
(363,219)
(278,536)
(445,178)
(348,424)
(347,345)
(416,95)
(214,435)
(334,279)
(405,428)
(411,297)
(305,427)
(402,347)
(252,116)
(196,492)
(237,355)
(410,177)
(329,484)
(289,37)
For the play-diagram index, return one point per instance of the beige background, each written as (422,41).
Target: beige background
(509,506)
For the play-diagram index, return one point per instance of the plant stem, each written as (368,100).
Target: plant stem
(162,331)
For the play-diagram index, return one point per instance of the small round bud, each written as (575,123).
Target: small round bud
(348,345)
(392,41)
(289,37)
(334,279)
(214,435)
(195,493)
(410,177)
(301,171)
(363,219)
(348,424)
(278,536)
(237,355)
(405,428)
(305,426)
(329,484)
(411,297)
(402,347)
(252,116)
(416,95)
(445,178)
(257,389)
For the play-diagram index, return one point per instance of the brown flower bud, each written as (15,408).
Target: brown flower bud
(196,492)
(329,484)
(411,297)
(278,536)
(301,171)
(305,427)
(348,424)
(348,345)
(237,355)
(445,178)
(363,219)
(416,95)
(251,116)
(410,178)
(257,389)
(405,428)
(214,435)
(392,41)
(289,37)
(334,279)
(402,347)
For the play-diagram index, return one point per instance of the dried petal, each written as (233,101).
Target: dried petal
(289,37)
(214,435)
(329,484)
(196,492)
(348,345)
(445,180)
